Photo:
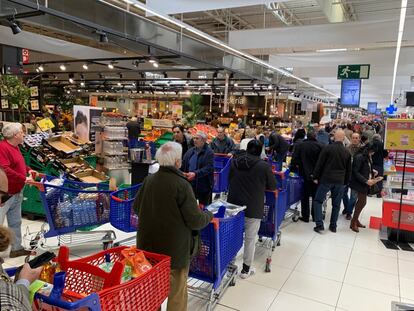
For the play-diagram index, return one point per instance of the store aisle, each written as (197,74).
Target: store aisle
(342,271)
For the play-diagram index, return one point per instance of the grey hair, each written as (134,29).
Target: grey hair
(377,137)
(202,135)
(169,153)
(11,129)
(250,133)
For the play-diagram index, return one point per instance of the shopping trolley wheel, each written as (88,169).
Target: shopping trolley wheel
(233,282)
(260,239)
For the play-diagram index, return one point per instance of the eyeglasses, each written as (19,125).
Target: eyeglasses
(4,197)
(177,132)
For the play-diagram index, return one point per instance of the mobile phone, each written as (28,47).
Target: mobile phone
(39,260)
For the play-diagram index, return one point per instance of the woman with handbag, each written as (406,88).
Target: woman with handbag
(363,181)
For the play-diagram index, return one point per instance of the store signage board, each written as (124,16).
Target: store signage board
(350,93)
(93,100)
(372,107)
(26,56)
(45,124)
(399,134)
(34,91)
(162,123)
(147,124)
(34,104)
(378,112)
(353,72)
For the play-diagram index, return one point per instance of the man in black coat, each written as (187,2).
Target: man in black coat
(278,147)
(332,172)
(198,167)
(304,158)
(248,179)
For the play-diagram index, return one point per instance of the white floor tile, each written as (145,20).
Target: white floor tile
(374,261)
(285,301)
(246,296)
(406,268)
(274,279)
(409,256)
(330,269)
(330,251)
(313,287)
(407,288)
(373,280)
(373,246)
(286,257)
(359,299)
(197,304)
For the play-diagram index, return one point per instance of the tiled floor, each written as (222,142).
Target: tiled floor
(341,271)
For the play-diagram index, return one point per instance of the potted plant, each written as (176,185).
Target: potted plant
(195,110)
(16,92)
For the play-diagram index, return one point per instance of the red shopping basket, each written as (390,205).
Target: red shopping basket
(83,276)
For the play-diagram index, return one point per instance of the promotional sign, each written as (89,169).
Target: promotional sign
(353,72)
(350,93)
(147,124)
(85,121)
(162,105)
(399,134)
(177,109)
(26,56)
(143,108)
(45,124)
(34,91)
(34,104)
(93,101)
(4,104)
(372,107)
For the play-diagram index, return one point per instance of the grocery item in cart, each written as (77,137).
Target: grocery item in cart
(230,209)
(136,259)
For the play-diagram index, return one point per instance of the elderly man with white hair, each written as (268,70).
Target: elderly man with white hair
(198,167)
(168,220)
(12,161)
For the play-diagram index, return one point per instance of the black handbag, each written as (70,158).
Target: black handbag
(374,189)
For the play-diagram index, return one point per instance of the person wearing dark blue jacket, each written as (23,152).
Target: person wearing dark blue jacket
(198,167)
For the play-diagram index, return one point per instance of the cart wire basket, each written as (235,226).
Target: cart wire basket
(121,215)
(222,164)
(85,285)
(213,269)
(70,206)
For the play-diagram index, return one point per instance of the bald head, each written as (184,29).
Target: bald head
(339,135)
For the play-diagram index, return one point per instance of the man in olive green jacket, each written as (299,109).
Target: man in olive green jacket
(168,220)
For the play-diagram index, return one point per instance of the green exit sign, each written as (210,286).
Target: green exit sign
(353,72)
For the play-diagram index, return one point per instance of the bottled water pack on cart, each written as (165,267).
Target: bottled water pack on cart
(227,209)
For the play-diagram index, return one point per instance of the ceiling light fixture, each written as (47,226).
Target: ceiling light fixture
(186,83)
(103,38)
(62,67)
(236,84)
(71,76)
(41,68)
(14,26)
(111,65)
(119,84)
(399,40)
(223,45)
(156,65)
(85,66)
(331,50)
(82,84)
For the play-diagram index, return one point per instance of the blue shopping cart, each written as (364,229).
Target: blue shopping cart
(122,215)
(213,270)
(222,164)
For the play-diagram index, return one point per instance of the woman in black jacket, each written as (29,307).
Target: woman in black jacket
(362,178)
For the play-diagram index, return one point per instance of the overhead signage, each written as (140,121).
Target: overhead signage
(352,72)
(399,134)
(350,93)
(378,112)
(372,107)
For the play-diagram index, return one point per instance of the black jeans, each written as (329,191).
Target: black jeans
(309,191)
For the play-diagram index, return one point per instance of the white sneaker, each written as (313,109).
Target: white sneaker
(245,275)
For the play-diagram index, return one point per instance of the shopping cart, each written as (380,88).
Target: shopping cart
(84,285)
(122,215)
(70,206)
(213,269)
(222,164)
(274,212)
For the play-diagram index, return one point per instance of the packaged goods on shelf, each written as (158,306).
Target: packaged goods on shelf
(35,140)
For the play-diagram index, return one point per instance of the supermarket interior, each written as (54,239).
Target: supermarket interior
(207,155)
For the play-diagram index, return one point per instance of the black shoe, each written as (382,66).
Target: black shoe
(303,219)
(332,229)
(348,216)
(318,229)
(344,212)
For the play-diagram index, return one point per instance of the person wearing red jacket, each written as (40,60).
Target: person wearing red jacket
(12,162)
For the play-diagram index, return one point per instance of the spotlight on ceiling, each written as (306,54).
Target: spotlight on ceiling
(71,80)
(165,75)
(111,65)
(119,84)
(206,84)
(186,83)
(62,67)
(270,87)
(14,26)
(85,66)
(155,64)
(41,68)
(82,84)
(103,38)
(236,84)
(215,74)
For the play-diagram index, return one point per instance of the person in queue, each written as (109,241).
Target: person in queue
(198,167)
(179,136)
(322,135)
(363,176)
(331,173)
(278,147)
(249,177)
(378,159)
(14,294)
(349,203)
(12,161)
(169,219)
(303,161)
(222,143)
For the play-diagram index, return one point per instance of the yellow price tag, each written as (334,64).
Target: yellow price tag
(147,124)
(45,124)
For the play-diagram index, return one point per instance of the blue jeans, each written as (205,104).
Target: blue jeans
(336,195)
(345,198)
(13,210)
(351,204)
